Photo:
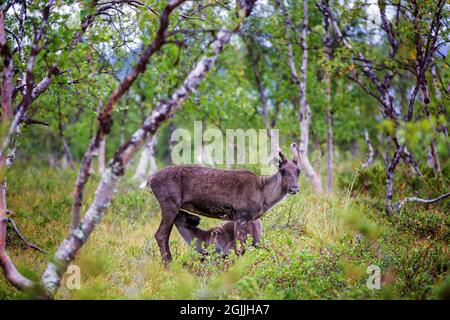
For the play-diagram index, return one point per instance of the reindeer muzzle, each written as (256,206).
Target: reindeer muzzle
(293,190)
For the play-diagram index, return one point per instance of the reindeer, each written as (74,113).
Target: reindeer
(221,237)
(234,195)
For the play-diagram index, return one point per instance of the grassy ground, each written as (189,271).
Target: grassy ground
(313,247)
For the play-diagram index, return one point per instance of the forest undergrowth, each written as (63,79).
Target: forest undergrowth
(313,247)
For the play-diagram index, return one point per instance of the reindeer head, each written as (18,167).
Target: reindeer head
(187,219)
(289,170)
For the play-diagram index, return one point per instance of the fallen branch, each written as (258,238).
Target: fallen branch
(22,237)
(399,204)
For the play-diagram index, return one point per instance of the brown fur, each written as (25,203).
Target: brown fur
(222,237)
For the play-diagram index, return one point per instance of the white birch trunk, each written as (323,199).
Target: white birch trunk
(370,151)
(147,163)
(101,156)
(305,111)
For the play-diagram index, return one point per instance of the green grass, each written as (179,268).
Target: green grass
(313,247)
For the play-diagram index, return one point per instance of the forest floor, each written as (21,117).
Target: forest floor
(313,247)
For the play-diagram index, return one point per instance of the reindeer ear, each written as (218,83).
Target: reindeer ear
(283,158)
(294,152)
(279,163)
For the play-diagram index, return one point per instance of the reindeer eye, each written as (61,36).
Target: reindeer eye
(283,172)
(298,172)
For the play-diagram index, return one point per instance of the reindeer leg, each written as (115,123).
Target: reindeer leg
(168,213)
(256,231)
(240,227)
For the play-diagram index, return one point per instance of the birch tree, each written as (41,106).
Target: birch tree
(300,82)
(379,84)
(14,117)
(327,42)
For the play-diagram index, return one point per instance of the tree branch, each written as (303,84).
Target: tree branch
(28,243)
(399,204)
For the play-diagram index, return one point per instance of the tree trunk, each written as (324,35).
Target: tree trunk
(390,170)
(426,109)
(305,111)
(10,271)
(319,157)
(329,115)
(254,60)
(370,152)
(101,155)
(330,165)
(170,143)
(147,163)
(354,149)
(123,119)
(441,108)
(66,149)
(100,152)
(67,153)
(7,74)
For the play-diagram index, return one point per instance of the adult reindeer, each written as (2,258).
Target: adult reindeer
(235,195)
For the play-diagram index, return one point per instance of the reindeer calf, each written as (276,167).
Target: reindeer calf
(221,237)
